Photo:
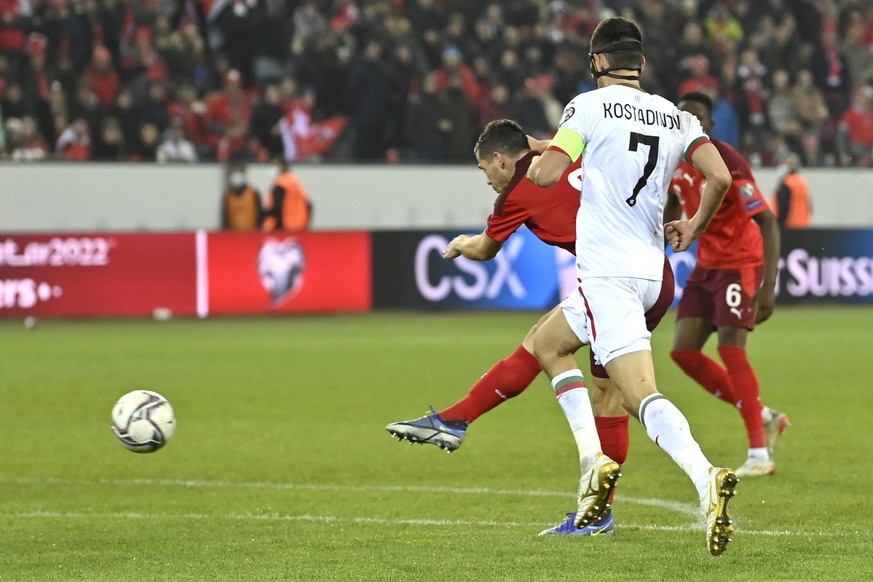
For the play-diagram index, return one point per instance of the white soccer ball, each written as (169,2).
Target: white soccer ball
(143,421)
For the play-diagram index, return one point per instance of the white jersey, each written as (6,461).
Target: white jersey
(631,142)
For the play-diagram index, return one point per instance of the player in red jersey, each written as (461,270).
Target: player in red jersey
(732,288)
(504,155)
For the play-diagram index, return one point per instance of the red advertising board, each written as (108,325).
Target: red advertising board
(97,274)
(269,273)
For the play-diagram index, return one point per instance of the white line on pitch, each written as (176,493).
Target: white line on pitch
(683,508)
(373,520)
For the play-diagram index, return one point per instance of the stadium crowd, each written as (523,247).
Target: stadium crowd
(411,80)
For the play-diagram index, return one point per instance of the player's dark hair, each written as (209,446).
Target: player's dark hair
(621,41)
(698,97)
(501,135)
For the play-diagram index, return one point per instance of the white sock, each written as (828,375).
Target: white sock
(761,454)
(666,425)
(572,395)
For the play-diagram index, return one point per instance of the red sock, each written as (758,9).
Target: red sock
(506,379)
(706,372)
(746,390)
(612,431)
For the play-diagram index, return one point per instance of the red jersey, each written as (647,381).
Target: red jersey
(550,215)
(732,239)
(860,126)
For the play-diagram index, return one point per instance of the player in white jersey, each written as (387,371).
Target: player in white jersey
(632,142)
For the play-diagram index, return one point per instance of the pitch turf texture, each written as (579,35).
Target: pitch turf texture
(281,468)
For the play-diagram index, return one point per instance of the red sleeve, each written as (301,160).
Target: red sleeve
(507,217)
(744,188)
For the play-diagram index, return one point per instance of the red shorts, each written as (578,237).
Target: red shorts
(653,316)
(724,297)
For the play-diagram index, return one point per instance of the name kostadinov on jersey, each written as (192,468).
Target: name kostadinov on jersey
(646,116)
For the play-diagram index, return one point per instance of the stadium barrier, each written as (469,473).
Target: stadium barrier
(201,273)
(195,273)
(57,197)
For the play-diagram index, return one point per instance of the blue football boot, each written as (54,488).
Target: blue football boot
(431,429)
(603,527)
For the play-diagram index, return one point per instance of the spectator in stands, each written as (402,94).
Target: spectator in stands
(303,138)
(369,96)
(453,68)
(146,146)
(13,24)
(155,106)
(12,102)
(127,115)
(463,117)
(74,143)
(242,25)
(853,46)
(139,59)
(227,111)
(698,80)
(427,123)
(495,105)
(855,130)
(529,110)
(723,28)
(692,45)
(808,103)
(190,109)
(241,208)
(780,108)
(726,126)
(266,115)
(123,47)
(288,206)
(30,145)
(103,76)
(86,105)
(752,79)
(831,72)
(174,147)
(508,71)
(109,145)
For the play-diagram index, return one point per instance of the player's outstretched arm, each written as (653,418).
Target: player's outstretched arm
(480,247)
(765,299)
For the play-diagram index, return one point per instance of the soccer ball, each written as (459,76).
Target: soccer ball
(143,421)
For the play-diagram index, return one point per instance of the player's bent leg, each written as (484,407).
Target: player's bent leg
(504,380)
(554,344)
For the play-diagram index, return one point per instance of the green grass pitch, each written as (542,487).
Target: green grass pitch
(281,468)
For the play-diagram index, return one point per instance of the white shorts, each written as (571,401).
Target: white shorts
(609,313)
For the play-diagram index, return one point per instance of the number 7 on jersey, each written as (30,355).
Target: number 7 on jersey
(652,141)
